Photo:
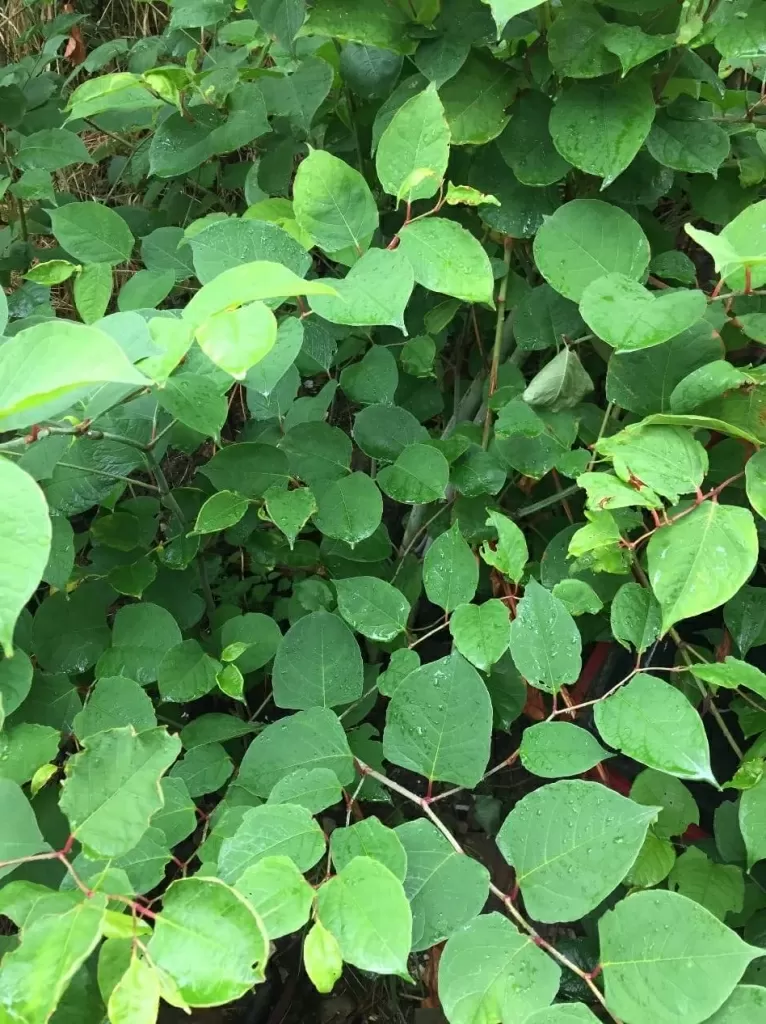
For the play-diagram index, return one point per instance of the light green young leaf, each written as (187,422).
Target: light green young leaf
(510,554)
(322,958)
(25,539)
(732,673)
(349,509)
(92,233)
(419,475)
(135,999)
(248,282)
(635,617)
(607,492)
(309,739)
(318,664)
(111,818)
(35,975)
(219,512)
(450,570)
(279,893)
(92,291)
(571,844)
(628,317)
(504,10)
(489,971)
(445,889)
(372,607)
(644,939)
(369,838)
(238,339)
(51,272)
(666,459)
(68,359)
(116,92)
(481,632)
(586,239)
(555,750)
(624,116)
(209,940)
(448,259)
(375,291)
(333,203)
(545,642)
(271,830)
(417,138)
(654,723)
(701,561)
(364,907)
(439,722)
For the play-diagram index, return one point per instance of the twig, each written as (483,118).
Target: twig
(498,342)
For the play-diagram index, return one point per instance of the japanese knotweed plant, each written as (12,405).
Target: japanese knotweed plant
(382,493)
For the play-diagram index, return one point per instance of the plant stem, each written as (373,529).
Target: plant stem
(710,703)
(498,342)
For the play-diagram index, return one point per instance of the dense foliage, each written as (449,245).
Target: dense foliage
(382,497)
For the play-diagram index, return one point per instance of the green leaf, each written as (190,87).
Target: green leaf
(279,893)
(720,888)
(22,836)
(376,290)
(374,24)
(419,475)
(221,511)
(480,632)
(635,617)
(35,975)
(364,907)
(68,360)
(24,748)
(146,289)
(369,838)
(545,642)
(15,681)
(110,819)
(349,509)
(752,818)
(416,139)
(204,769)
(450,570)
(526,144)
(322,958)
(476,98)
(624,116)
(504,10)
(372,607)
(489,971)
(384,431)
(401,663)
(704,384)
(318,664)
(571,843)
(578,596)
(113,702)
(679,810)
(745,1004)
(697,147)
(25,538)
(92,233)
(259,637)
(333,203)
(238,339)
(654,723)
(196,402)
(92,291)
(248,468)
(653,864)
(586,239)
(439,723)
(142,634)
(116,92)
(246,283)
(136,996)
(316,789)
(309,739)
(555,750)
(702,560)
(628,317)
(224,244)
(755,481)
(509,554)
(209,940)
(576,43)
(52,272)
(186,673)
(644,939)
(300,95)
(732,673)
(271,830)
(561,384)
(447,259)
(446,890)
(563,1013)
(290,510)
(666,459)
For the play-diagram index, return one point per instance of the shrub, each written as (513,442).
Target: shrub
(382,412)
